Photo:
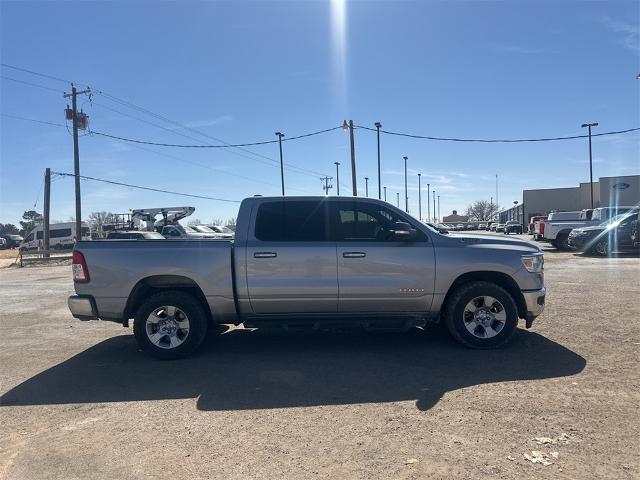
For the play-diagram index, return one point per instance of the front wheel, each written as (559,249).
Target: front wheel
(170,325)
(481,315)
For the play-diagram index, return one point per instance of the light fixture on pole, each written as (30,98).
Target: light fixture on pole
(352,143)
(419,199)
(435,220)
(378,126)
(589,125)
(337,177)
(280,135)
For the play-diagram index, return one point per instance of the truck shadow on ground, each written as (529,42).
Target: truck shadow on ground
(261,370)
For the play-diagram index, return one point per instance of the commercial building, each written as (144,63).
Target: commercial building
(607,191)
(455,218)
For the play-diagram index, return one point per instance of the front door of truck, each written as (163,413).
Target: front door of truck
(378,272)
(291,262)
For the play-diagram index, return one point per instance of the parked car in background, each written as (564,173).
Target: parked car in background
(61,236)
(12,241)
(512,226)
(500,227)
(492,227)
(635,231)
(287,269)
(134,235)
(532,223)
(609,236)
(218,231)
(482,226)
(3,244)
(460,227)
(557,230)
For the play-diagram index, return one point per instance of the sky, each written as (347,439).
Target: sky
(237,72)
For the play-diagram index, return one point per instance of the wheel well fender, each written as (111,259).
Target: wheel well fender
(157,283)
(499,278)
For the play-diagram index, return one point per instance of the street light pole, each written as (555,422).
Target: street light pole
(352,142)
(589,125)
(438,206)
(419,199)
(406,193)
(398,199)
(434,207)
(337,177)
(378,126)
(280,135)
(428,203)
(385,194)
(366,186)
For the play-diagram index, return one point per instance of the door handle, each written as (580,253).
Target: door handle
(265,255)
(354,254)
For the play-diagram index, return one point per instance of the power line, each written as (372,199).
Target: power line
(31,84)
(84,177)
(226,145)
(519,140)
(43,75)
(16,117)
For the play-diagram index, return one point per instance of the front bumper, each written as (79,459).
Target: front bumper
(534,301)
(83,307)
(577,242)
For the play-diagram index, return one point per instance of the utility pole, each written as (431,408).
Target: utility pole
(589,125)
(378,127)
(385,194)
(419,199)
(47,208)
(438,207)
(428,203)
(326,186)
(280,135)
(435,220)
(76,155)
(366,186)
(491,210)
(354,180)
(406,192)
(337,177)
(398,199)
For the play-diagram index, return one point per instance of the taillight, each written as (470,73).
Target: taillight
(79,267)
(541,228)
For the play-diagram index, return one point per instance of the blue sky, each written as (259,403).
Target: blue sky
(239,71)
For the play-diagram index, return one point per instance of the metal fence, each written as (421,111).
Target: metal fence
(33,256)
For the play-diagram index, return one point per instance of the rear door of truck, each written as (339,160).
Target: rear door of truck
(291,264)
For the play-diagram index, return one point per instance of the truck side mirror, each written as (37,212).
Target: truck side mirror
(403,231)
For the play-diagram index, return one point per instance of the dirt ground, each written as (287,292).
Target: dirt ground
(80,401)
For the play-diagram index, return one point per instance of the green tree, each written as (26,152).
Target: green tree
(30,219)
(8,229)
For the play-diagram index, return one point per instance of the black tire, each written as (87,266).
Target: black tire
(189,306)
(600,248)
(562,241)
(454,314)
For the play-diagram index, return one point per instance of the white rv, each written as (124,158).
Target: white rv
(61,236)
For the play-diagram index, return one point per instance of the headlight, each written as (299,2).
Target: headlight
(533,263)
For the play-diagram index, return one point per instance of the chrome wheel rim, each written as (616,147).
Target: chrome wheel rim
(602,247)
(484,317)
(167,327)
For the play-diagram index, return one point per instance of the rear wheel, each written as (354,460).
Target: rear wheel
(562,241)
(481,315)
(170,325)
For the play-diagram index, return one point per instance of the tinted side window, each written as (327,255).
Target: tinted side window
(304,221)
(59,233)
(356,221)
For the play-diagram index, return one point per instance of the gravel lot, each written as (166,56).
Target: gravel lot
(80,401)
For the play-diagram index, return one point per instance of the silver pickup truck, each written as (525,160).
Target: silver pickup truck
(311,262)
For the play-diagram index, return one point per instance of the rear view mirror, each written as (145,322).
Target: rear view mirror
(403,231)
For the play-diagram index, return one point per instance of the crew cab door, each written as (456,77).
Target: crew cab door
(378,272)
(291,262)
